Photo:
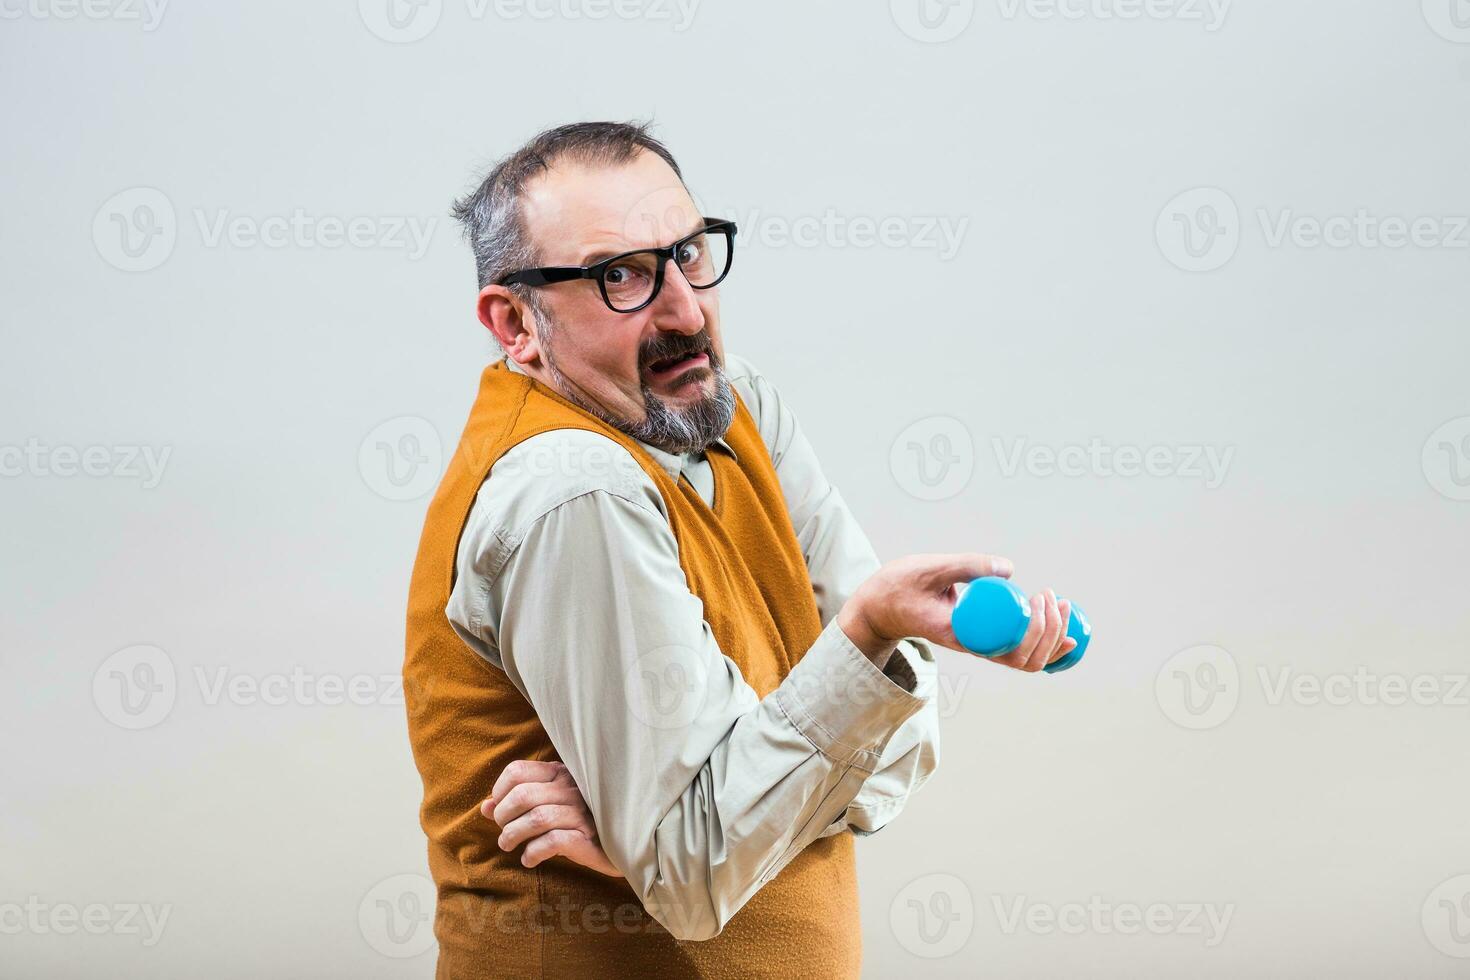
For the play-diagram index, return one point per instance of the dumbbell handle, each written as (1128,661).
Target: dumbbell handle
(992,617)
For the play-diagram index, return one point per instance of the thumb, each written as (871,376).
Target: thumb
(964,566)
(590,854)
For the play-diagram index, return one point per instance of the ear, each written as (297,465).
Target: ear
(504,315)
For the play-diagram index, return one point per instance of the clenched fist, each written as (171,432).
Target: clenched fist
(915,596)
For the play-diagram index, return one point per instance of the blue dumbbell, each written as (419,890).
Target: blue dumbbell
(992,616)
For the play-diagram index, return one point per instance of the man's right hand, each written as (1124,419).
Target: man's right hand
(914,596)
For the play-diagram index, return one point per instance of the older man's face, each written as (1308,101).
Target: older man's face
(667,353)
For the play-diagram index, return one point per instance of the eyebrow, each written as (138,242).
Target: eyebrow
(592,258)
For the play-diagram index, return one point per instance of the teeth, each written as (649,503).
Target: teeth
(664,365)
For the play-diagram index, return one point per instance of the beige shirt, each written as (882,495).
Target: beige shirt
(568,579)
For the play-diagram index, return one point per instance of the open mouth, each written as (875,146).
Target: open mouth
(671,366)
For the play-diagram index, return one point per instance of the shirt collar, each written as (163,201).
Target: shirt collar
(671,463)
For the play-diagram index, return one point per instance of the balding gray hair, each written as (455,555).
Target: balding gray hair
(491,213)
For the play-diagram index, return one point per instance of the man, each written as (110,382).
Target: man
(649,648)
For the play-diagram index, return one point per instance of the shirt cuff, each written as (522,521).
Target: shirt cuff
(844,705)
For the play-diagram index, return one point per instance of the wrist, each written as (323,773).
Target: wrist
(856,622)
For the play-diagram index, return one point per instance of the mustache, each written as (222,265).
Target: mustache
(668,346)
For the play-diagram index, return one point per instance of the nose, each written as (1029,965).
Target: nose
(676,308)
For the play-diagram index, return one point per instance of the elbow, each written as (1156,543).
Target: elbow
(690,875)
(694,899)
(699,935)
(689,915)
(674,885)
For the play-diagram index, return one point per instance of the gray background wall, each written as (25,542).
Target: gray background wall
(221,416)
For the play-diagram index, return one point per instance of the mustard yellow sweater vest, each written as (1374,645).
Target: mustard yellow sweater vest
(496,918)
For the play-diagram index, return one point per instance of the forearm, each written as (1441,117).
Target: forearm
(787,770)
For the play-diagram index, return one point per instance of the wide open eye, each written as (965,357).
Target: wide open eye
(629,281)
(692,254)
(705,258)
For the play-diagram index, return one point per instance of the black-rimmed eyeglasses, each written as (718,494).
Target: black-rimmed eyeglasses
(631,281)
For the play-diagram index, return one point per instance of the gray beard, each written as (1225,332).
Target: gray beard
(692,430)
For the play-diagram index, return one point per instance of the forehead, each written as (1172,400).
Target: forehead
(573,210)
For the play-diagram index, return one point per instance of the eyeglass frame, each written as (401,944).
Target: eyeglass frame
(546,275)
